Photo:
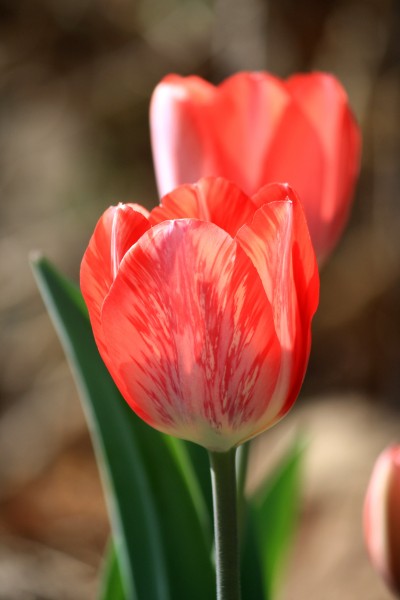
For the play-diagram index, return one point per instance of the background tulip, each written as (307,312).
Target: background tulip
(255,129)
(382,517)
(202,308)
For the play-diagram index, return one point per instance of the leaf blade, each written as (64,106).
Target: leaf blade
(111,586)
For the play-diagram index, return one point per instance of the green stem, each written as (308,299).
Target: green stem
(223,477)
(242,460)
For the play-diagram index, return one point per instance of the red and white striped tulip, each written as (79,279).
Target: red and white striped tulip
(202,308)
(256,129)
(382,517)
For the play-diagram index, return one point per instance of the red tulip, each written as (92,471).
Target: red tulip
(382,517)
(202,309)
(255,129)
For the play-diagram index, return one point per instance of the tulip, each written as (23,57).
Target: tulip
(382,517)
(201,309)
(255,129)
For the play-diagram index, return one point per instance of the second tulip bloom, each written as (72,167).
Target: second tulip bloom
(256,129)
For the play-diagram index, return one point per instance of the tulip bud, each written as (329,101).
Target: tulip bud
(382,517)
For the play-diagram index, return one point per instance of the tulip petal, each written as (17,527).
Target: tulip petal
(381,516)
(278,243)
(179,129)
(321,97)
(211,199)
(117,230)
(191,334)
(376,522)
(247,109)
(222,130)
(295,156)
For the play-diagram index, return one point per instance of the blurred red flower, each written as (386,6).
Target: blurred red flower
(202,308)
(382,517)
(255,129)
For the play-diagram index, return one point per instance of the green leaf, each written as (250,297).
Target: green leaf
(252,580)
(273,517)
(111,584)
(158,516)
(200,468)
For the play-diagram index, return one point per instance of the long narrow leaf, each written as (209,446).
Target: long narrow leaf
(253,585)
(111,584)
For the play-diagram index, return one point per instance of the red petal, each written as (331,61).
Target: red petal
(211,199)
(274,192)
(324,101)
(295,156)
(247,109)
(117,230)
(191,334)
(279,245)
(138,208)
(179,132)
(200,130)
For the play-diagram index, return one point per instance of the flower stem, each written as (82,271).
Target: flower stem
(242,460)
(223,477)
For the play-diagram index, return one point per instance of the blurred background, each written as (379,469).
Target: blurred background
(76,79)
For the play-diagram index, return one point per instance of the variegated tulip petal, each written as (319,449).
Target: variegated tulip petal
(211,199)
(137,208)
(117,230)
(278,243)
(191,333)
(305,269)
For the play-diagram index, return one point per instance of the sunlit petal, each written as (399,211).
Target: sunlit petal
(190,330)
(212,199)
(278,243)
(117,230)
